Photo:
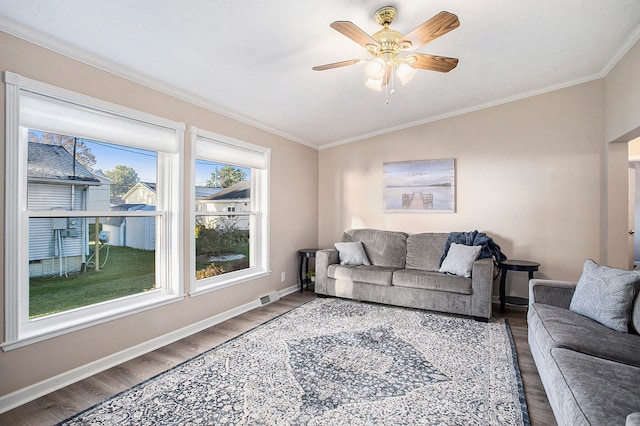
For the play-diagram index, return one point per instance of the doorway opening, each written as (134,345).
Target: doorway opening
(634,202)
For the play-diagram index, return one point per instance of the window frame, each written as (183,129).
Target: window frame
(259,211)
(19,329)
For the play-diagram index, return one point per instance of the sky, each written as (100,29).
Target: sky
(205,168)
(144,162)
(108,156)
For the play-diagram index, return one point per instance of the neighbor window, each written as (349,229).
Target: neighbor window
(229,222)
(92,211)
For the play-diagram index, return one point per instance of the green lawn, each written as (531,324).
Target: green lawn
(127,271)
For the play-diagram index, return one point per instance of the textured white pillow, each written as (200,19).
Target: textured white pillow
(460,259)
(352,253)
(605,294)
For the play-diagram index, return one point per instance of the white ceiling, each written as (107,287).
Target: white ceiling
(252,59)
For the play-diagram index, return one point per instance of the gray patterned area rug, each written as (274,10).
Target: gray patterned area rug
(335,362)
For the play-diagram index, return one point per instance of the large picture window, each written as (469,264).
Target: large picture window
(93,211)
(229,222)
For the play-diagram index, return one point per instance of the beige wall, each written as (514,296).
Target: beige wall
(622,98)
(528,173)
(622,121)
(293,224)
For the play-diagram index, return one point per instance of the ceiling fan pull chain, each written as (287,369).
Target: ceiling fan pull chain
(393,80)
(393,90)
(386,94)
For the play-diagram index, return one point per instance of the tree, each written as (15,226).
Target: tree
(123,177)
(82,151)
(225,177)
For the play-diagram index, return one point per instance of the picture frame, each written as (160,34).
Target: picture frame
(422,186)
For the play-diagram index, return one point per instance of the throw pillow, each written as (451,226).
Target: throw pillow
(605,294)
(352,253)
(459,260)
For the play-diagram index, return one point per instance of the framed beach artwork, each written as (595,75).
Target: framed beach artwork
(425,186)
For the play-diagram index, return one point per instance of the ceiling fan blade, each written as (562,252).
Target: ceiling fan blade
(433,63)
(336,65)
(352,31)
(430,30)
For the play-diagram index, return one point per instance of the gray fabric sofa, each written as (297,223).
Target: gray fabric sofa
(591,373)
(404,272)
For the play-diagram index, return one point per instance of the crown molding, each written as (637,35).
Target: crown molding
(624,49)
(463,111)
(51,43)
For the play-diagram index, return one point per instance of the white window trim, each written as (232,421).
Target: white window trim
(19,329)
(259,200)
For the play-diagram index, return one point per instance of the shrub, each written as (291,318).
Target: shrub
(209,271)
(221,239)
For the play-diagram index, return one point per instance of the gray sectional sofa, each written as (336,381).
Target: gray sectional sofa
(404,272)
(590,372)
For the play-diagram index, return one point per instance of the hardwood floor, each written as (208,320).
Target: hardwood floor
(67,401)
(539,409)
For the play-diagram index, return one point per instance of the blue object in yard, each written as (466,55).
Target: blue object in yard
(104,237)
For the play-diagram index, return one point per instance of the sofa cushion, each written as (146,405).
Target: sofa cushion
(603,392)
(558,327)
(459,260)
(425,250)
(605,294)
(383,248)
(352,253)
(379,275)
(428,280)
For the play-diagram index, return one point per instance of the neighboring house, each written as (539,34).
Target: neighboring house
(141,193)
(139,232)
(98,197)
(56,182)
(145,193)
(236,198)
(134,232)
(205,191)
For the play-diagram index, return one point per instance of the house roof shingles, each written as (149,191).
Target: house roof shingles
(53,163)
(240,190)
(206,191)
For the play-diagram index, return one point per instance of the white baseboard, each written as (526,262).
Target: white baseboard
(289,290)
(29,393)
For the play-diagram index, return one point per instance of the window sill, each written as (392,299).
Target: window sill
(216,283)
(40,334)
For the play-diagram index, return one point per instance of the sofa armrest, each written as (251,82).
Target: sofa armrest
(324,258)
(551,292)
(481,288)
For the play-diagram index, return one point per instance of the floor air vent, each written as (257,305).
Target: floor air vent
(269,298)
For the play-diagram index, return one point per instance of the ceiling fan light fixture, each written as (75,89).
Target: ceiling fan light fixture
(386,46)
(376,68)
(374,84)
(405,72)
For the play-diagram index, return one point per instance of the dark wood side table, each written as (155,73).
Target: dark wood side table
(303,258)
(514,265)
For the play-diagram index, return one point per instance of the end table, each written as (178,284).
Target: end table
(303,257)
(514,265)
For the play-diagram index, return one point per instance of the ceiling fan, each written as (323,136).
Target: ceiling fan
(387,44)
